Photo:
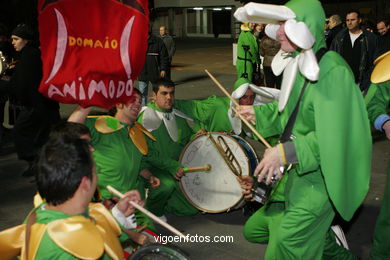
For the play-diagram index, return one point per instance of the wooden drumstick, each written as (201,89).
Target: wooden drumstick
(205,168)
(239,115)
(147,212)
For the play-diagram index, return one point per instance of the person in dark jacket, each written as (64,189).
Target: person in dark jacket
(383,29)
(358,47)
(38,113)
(335,26)
(156,65)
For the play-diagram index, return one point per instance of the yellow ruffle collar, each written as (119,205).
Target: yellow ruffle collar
(108,124)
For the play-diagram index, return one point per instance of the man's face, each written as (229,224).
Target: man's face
(131,110)
(163,30)
(285,44)
(331,23)
(18,42)
(353,21)
(248,98)
(382,28)
(164,98)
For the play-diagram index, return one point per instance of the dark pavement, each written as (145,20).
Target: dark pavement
(192,57)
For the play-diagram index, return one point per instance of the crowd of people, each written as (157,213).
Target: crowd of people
(314,104)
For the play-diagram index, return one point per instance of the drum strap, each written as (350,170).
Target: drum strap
(286,136)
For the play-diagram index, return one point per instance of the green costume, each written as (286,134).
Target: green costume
(377,112)
(247,59)
(56,235)
(331,139)
(168,196)
(119,160)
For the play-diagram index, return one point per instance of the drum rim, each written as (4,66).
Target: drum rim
(181,185)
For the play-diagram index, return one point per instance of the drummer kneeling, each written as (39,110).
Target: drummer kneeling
(67,224)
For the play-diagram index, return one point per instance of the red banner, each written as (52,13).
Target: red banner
(92,50)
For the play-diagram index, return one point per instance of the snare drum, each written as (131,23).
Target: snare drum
(216,190)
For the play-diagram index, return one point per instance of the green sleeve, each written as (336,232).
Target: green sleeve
(307,151)
(159,160)
(380,101)
(268,120)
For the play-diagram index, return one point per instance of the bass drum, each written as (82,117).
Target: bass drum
(158,252)
(216,190)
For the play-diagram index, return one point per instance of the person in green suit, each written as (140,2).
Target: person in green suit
(172,132)
(379,116)
(67,225)
(247,52)
(329,145)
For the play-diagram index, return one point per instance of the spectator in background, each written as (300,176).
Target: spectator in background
(384,36)
(247,52)
(335,26)
(156,65)
(37,113)
(358,47)
(268,49)
(170,45)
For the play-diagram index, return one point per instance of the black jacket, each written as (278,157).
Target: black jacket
(369,52)
(157,59)
(25,81)
(332,34)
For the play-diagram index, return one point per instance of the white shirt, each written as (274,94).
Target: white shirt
(354,36)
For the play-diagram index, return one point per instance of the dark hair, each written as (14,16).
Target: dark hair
(355,11)
(163,82)
(69,129)
(386,22)
(112,111)
(63,162)
(23,31)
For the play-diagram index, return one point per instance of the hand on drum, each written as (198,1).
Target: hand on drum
(247,112)
(154,182)
(180,173)
(125,207)
(246,183)
(269,166)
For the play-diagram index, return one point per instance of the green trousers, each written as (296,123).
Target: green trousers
(381,244)
(168,198)
(300,227)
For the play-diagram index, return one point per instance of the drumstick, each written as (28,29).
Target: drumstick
(239,115)
(206,168)
(147,212)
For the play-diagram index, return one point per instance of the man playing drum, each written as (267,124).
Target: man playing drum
(214,114)
(172,133)
(329,145)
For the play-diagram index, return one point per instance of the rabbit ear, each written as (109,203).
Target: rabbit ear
(271,30)
(264,13)
(289,76)
(299,34)
(308,65)
(280,61)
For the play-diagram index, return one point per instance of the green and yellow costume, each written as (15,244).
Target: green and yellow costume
(56,235)
(168,196)
(378,114)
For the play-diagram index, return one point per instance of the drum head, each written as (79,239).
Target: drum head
(216,190)
(159,252)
